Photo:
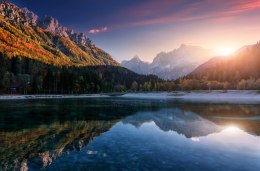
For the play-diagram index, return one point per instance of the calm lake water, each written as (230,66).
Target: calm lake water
(128,134)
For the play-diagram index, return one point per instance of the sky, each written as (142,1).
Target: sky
(125,28)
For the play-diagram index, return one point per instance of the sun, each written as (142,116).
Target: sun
(232,129)
(225,51)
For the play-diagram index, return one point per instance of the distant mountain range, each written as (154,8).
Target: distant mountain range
(23,33)
(171,65)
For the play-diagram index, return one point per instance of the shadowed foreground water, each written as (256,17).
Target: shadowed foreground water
(128,134)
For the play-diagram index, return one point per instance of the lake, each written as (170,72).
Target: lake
(128,134)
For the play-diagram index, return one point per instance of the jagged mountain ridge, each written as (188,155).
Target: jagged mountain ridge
(24,34)
(51,24)
(171,65)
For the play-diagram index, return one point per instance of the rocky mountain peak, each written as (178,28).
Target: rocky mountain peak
(171,65)
(63,47)
(12,13)
(135,61)
(136,64)
(51,24)
(81,39)
(33,18)
(136,58)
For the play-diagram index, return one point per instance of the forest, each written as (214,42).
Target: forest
(20,75)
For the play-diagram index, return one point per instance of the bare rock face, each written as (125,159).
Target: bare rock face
(30,16)
(137,65)
(171,65)
(14,14)
(51,24)
(81,51)
(81,39)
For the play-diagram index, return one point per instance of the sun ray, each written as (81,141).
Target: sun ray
(225,50)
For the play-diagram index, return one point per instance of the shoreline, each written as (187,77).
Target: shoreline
(214,96)
(49,96)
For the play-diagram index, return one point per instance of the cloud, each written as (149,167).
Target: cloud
(173,11)
(101,30)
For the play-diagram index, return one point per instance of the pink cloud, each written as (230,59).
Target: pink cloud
(219,10)
(101,30)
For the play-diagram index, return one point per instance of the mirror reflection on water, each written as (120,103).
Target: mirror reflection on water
(128,134)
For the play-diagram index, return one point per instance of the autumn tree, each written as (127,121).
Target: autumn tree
(134,86)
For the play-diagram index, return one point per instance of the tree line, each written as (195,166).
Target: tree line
(27,76)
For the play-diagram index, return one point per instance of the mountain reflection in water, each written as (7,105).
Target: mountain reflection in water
(187,123)
(41,134)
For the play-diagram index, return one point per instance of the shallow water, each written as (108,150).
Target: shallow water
(128,134)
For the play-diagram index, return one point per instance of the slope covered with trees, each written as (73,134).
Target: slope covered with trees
(24,75)
(21,34)
(238,71)
(42,56)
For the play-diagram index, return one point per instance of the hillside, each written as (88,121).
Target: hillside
(42,56)
(242,65)
(171,65)
(24,34)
